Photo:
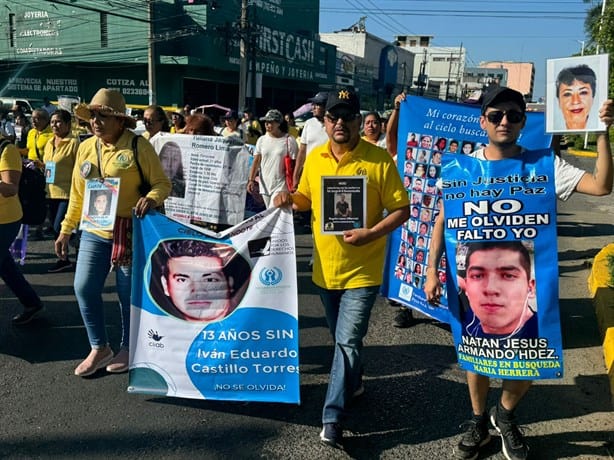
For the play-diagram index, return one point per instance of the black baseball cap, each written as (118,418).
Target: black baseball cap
(343,97)
(503,94)
(319,99)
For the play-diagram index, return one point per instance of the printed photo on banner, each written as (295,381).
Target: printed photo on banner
(100,204)
(215,315)
(344,203)
(497,282)
(500,225)
(575,90)
(197,280)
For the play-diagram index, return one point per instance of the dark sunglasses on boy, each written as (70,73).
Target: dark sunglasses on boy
(513,116)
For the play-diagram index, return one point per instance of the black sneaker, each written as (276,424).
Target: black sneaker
(61,266)
(512,441)
(404,318)
(27,315)
(475,436)
(332,435)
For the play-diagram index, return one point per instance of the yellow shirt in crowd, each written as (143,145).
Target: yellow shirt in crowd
(10,207)
(36,142)
(338,265)
(64,156)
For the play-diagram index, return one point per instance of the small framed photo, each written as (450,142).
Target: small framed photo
(576,88)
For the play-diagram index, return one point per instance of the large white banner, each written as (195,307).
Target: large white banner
(215,315)
(208,176)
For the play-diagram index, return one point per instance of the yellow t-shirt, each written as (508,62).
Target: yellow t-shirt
(36,142)
(63,156)
(338,265)
(116,161)
(10,207)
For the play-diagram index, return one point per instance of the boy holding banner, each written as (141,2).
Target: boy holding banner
(503,118)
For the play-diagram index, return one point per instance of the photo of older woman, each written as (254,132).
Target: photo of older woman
(575,93)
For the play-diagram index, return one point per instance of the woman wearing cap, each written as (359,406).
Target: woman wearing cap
(59,157)
(155,121)
(231,122)
(109,154)
(178,122)
(269,163)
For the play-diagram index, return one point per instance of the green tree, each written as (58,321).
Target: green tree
(600,31)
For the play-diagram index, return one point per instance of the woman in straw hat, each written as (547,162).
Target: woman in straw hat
(109,154)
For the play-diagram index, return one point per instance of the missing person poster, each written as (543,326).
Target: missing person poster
(576,88)
(215,315)
(100,204)
(428,129)
(208,177)
(344,203)
(500,234)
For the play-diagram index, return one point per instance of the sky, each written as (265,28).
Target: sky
(489,30)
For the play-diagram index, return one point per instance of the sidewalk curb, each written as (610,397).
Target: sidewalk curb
(582,153)
(600,286)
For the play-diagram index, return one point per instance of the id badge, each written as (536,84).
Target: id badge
(50,172)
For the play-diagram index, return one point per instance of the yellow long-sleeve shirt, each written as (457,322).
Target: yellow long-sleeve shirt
(64,156)
(116,161)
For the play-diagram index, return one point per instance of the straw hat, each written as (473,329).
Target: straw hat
(109,102)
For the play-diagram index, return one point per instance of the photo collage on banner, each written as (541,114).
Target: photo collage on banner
(428,130)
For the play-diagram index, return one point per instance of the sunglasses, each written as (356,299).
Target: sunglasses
(345,117)
(513,116)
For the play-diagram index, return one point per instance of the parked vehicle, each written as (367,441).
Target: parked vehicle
(7,103)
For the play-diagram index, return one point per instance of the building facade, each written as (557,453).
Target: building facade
(74,47)
(520,75)
(376,68)
(438,69)
(481,78)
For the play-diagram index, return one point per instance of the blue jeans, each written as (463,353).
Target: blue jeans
(347,314)
(10,273)
(93,266)
(57,209)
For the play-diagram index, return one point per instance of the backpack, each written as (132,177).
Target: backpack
(32,194)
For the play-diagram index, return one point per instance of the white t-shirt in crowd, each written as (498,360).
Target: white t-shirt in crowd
(566,176)
(313,134)
(272,168)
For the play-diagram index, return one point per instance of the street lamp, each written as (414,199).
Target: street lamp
(582,50)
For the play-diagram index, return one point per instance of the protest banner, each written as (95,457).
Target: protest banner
(500,237)
(215,315)
(428,128)
(208,176)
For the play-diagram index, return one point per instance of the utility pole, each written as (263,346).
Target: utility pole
(243,32)
(449,75)
(151,57)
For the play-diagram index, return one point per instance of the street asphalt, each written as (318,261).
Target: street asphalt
(415,395)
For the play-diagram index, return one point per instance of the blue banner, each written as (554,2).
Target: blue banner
(428,128)
(215,315)
(500,232)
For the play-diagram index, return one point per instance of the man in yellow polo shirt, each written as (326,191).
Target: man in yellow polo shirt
(348,267)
